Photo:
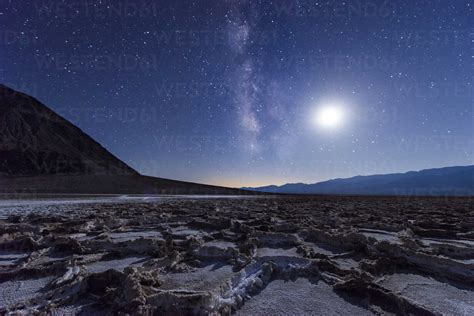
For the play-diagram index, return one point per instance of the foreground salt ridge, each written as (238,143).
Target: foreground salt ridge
(223,256)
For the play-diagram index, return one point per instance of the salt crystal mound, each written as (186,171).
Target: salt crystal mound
(265,255)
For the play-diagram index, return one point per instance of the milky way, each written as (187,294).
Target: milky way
(222,91)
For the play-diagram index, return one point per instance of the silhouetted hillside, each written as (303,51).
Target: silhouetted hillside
(34,140)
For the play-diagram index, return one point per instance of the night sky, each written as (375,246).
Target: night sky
(228,92)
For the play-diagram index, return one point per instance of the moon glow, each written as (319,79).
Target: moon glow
(331,116)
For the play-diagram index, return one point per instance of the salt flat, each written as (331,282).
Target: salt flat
(213,255)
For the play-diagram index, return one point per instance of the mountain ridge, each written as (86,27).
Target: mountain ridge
(455,180)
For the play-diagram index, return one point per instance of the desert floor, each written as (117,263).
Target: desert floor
(171,255)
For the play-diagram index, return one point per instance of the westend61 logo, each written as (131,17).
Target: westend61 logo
(123,114)
(335,62)
(187,89)
(434,143)
(207,37)
(336,9)
(21,38)
(123,9)
(195,143)
(98,62)
(434,89)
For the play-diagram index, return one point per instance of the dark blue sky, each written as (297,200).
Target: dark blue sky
(225,92)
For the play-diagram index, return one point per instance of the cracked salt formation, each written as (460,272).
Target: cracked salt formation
(20,291)
(275,252)
(259,255)
(116,264)
(133,235)
(206,278)
(446,298)
(185,231)
(10,258)
(301,297)
(381,235)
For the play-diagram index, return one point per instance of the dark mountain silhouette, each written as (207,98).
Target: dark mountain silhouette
(42,152)
(440,181)
(34,140)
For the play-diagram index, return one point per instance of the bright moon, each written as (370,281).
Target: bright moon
(329,116)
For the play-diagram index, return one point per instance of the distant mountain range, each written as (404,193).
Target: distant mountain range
(42,152)
(441,181)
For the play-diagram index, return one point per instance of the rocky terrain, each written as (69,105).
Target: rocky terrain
(243,255)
